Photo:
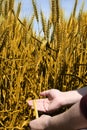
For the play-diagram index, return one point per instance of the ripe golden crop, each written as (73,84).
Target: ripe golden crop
(31,63)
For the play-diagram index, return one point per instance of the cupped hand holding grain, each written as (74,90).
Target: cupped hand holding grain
(54,100)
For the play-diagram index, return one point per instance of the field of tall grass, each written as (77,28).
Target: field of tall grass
(31,62)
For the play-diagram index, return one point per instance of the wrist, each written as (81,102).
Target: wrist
(71,97)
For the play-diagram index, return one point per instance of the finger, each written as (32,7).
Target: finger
(32,124)
(30,102)
(36,124)
(40,104)
(46,105)
(38,101)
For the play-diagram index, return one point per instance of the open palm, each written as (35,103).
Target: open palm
(51,103)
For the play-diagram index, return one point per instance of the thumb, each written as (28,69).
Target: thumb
(46,93)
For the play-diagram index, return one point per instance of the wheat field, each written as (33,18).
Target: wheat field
(31,63)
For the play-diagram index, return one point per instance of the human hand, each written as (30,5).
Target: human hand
(41,123)
(53,101)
